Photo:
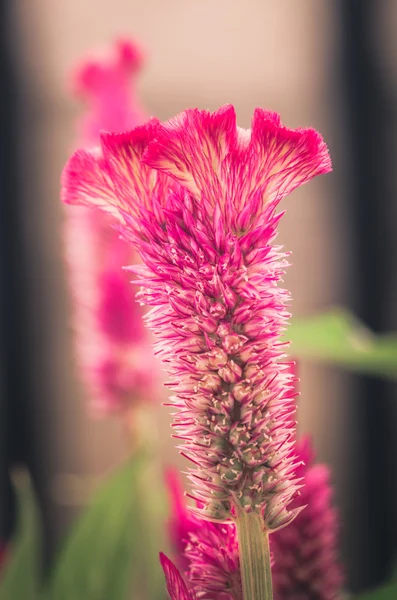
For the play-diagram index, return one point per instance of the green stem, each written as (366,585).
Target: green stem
(253,541)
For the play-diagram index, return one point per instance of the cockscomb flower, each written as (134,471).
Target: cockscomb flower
(306,565)
(113,347)
(197,197)
(305,562)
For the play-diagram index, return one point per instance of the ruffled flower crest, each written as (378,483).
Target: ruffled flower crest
(232,173)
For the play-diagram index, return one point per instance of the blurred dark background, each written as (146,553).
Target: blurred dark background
(329,65)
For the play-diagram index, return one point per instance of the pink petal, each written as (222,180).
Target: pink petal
(191,148)
(225,165)
(114,179)
(84,181)
(289,157)
(133,182)
(175,585)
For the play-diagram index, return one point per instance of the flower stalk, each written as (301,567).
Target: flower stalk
(254,554)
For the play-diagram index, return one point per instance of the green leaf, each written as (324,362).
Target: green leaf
(105,550)
(385,592)
(388,592)
(19,578)
(338,337)
(150,527)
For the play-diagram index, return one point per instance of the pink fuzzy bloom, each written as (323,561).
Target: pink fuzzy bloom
(305,554)
(113,347)
(197,197)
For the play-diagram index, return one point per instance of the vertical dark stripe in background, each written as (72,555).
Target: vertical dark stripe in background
(23,428)
(14,394)
(367,105)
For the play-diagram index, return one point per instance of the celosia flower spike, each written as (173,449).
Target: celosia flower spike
(113,348)
(197,197)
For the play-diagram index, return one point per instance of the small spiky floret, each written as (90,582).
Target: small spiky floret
(113,348)
(306,565)
(197,196)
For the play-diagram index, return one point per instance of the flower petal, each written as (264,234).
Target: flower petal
(113,178)
(175,585)
(84,181)
(238,170)
(191,148)
(134,182)
(285,158)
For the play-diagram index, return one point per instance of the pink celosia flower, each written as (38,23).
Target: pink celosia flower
(213,561)
(304,555)
(114,349)
(306,565)
(197,197)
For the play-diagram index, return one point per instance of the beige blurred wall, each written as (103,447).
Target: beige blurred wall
(276,54)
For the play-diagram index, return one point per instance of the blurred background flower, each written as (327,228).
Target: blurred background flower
(113,347)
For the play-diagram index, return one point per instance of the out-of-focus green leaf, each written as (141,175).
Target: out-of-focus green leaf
(104,555)
(338,337)
(388,592)
(19,577)
(385,592)
(152,507)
